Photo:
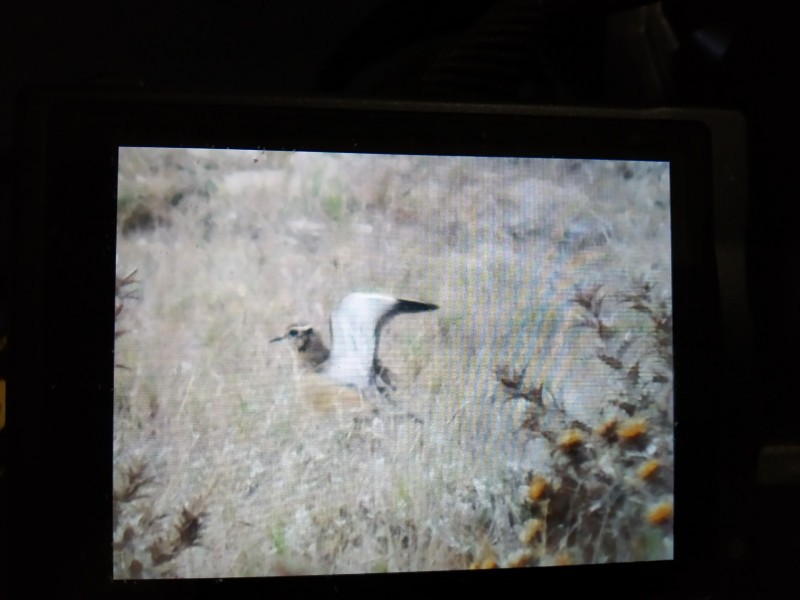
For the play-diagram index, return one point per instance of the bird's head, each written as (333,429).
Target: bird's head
(307,345)
(300,336)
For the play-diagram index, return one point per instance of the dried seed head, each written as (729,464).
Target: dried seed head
(188,528)
(135,569)
(608,430)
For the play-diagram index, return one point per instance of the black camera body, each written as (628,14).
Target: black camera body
(549,425)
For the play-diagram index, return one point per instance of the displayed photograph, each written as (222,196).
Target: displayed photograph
(339,363)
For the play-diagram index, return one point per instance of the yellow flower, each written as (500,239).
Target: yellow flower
(648,469)
(521,558)
(632,430)
(537,488)
(660,513)
(570,440)
(530,529)
(563,560)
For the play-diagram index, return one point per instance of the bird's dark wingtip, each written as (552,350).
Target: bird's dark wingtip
(412,306)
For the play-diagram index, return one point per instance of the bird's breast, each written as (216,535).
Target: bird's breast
(323,394)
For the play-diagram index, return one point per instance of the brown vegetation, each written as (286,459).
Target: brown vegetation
(544,382)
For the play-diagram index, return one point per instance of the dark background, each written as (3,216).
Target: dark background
(703,53)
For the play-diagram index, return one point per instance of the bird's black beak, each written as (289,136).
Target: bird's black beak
(277,339)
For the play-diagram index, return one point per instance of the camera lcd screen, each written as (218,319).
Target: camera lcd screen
(341,363)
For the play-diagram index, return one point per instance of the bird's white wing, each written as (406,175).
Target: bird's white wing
(355,333)
(354,337)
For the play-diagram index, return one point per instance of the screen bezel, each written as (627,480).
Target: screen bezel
(69,243)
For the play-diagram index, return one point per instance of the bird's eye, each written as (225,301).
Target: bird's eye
(293,333)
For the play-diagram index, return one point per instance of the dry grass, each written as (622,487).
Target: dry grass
(548,364)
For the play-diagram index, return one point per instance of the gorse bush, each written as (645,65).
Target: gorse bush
(608,493)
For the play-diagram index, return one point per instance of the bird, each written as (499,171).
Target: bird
(349,373)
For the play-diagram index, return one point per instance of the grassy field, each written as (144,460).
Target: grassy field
(544,380)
